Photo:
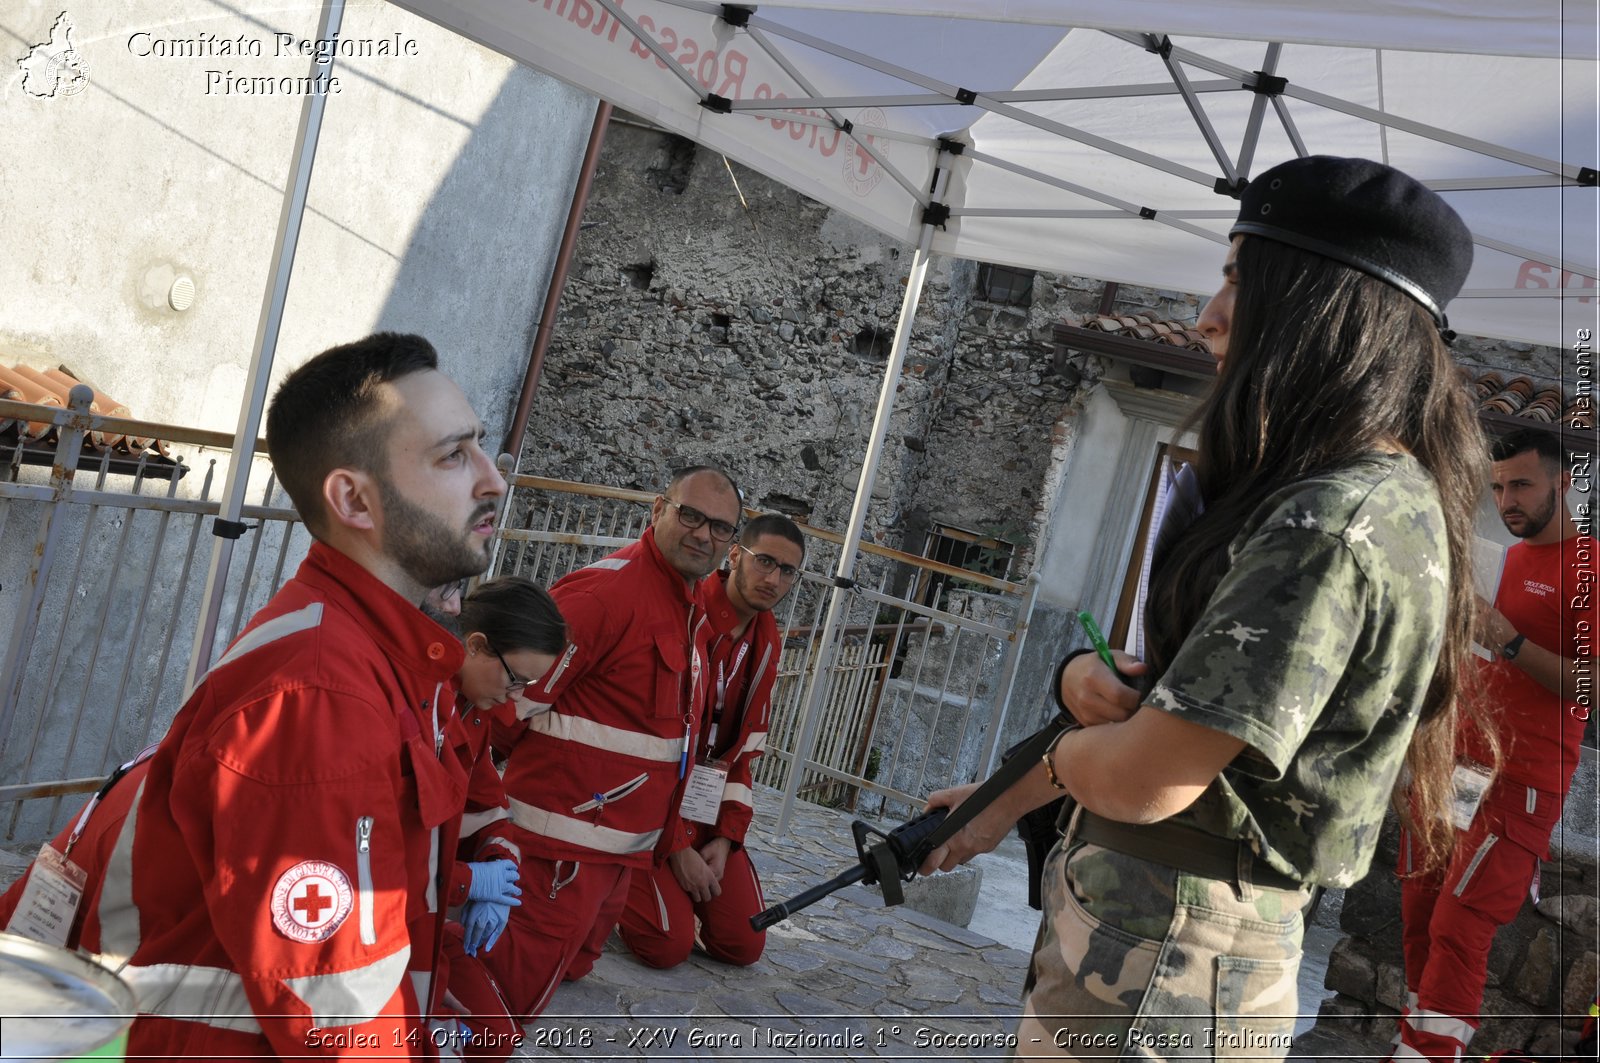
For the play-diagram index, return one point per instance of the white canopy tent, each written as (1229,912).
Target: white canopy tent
(1104,138)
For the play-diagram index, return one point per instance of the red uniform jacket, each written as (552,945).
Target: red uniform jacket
(1546,596)
(595,773)
(740,674)
(486,825)
(275,889)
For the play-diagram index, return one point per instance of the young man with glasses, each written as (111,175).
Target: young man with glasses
(702,870)
(605,748)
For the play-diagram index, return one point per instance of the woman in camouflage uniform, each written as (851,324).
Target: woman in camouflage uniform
(1306,630)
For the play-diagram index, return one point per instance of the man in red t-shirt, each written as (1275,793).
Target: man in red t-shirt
(1540,687)
(701,871)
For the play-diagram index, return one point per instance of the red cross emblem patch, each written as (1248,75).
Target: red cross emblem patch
(310,901)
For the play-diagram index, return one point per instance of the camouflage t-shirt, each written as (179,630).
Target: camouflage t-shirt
(1316,649)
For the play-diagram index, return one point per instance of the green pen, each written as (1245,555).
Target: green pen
(1096,639)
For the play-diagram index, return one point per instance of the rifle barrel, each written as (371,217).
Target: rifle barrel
(784,909)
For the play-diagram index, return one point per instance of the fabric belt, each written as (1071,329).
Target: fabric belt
(1185,848)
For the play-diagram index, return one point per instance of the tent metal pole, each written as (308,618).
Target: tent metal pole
(1201,119)
(817,686)
(237,480)
(1370,114)
(988,103)
(935,99)
(1132,209)
(1258,111)
(862,142)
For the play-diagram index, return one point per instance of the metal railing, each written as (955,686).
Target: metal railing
(102,599)
(101,574)
(917,694)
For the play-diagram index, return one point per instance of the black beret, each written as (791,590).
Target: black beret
(1366,215)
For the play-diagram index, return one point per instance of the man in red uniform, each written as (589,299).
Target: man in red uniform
(275,889)
(1541,685)
(701,868)
(598,768)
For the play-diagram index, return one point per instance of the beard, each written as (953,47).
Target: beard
(426,547)
(1535,522)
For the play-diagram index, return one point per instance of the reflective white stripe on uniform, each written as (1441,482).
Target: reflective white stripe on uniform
(209,995)
(738,793)
(346,998)
(473,822)
(664,920)
(1405,1051)
(1472,868)
(579,832)
(612,564)
(1532,804)
(756,741)
(119,916)
(1440,1024)
(271,631)
(587,732)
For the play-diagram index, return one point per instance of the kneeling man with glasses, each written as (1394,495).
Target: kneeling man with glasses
(702,873)
(596,772)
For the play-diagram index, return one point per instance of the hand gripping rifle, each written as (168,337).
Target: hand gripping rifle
(895,857)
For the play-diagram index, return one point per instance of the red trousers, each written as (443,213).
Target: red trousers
(1450,917)
(659,923)
(557,932)
(471,991)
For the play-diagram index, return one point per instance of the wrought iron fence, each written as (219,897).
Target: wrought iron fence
(102,569)
(102,564)
(917,692)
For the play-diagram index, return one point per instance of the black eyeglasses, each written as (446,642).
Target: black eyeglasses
(515,684)
(768,565)
(691,518)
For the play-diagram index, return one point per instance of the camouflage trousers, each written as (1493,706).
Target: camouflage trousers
(1135,960)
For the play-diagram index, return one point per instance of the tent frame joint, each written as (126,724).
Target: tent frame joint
(1265,84)
(936,214)
(1588,177)
(737,15)
(1232,189)
(952,147)
(1161,45)
(716,104)
(966,97)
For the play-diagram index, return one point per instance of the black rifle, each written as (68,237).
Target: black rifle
(892,860)
(896,857)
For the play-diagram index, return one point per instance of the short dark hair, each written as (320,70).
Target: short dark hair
(774,524)
(1551,452)
(325,414)
(514,613)
(677,477)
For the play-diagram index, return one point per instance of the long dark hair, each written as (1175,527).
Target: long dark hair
(514,613)
(1325,363)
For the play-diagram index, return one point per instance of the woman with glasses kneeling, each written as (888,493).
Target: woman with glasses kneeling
(513,634)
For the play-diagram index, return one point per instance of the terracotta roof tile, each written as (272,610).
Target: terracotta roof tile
(52,387)
(1524,397)
(1148,327)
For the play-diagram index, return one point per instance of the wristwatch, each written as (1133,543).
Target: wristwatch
(1510,650)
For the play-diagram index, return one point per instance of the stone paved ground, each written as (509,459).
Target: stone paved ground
(845,979)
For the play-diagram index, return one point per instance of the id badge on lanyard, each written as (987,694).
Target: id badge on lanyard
(702,794)
(50,900)
(1469,782)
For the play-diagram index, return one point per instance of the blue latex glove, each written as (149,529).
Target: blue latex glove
(482,923)
(495,880)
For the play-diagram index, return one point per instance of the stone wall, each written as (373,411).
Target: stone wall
(713,314)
